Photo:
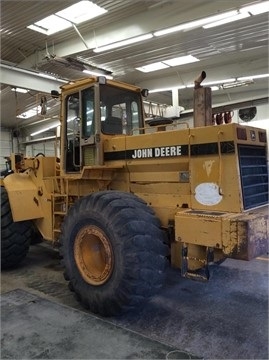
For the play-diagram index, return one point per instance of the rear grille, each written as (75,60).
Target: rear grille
(254,175)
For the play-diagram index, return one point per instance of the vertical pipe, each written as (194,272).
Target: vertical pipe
(99,157)
(175,97)
(202,107)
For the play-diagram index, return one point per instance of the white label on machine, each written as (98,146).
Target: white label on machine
(208,194)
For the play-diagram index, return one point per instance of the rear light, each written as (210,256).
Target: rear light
(241,133)
(262,136)
(252,135)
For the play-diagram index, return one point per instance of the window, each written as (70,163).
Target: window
(72,155)
(120,110)
(73,120)
(88,112)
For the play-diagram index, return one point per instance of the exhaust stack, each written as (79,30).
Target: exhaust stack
(202,103)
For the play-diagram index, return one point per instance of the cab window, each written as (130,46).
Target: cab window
(88,112)
(72,155)
(120,111)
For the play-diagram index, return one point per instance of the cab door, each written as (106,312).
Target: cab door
(82,129)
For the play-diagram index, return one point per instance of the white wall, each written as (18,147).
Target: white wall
(47,148)
(260,120)
(10,144)
(5,147)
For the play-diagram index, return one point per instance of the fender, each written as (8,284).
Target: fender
(23,197)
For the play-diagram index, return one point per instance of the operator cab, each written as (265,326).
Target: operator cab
(98,110)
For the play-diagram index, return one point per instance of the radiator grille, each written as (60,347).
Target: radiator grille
(254,175)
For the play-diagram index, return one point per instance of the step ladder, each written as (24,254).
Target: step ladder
(60,203)
(202,274)
(60,207)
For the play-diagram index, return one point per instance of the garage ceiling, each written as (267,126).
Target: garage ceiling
(233,50)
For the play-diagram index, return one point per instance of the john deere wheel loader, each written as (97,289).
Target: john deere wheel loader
(126,198)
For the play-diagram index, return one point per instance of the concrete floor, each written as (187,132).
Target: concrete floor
(226,318)
(36,328)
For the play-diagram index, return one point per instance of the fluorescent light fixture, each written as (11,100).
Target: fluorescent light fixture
(96,73)
(167,89)
(168,63)
(257,8)
(181,60)
(209,19)
(227,20)
(230,83)
(237,84)
(251,77)
(20,90)
(81,11)
(152,67)
(44,130)
(195,23)
(218,82)
(123,43)
(64,19)
(169,30)
(212,83)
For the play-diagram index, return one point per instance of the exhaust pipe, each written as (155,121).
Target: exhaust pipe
(198,81)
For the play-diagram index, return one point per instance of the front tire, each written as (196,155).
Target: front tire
(113,251)
(15,236)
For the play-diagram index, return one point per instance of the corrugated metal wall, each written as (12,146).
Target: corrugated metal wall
(9,144)
(47,148)
(5,146)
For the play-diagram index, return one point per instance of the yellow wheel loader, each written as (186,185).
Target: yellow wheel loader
(128,197)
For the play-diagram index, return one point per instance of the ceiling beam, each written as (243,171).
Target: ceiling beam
(27,79)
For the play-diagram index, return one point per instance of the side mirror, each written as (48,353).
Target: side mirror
(145,92)
(54,94)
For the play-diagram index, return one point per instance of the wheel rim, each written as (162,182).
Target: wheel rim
(93,255)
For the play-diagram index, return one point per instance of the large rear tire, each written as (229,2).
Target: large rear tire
(113,251)
(15,236)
